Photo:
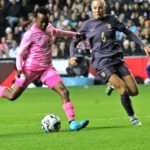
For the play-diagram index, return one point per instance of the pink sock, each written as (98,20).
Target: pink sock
(2,89)
(68,108)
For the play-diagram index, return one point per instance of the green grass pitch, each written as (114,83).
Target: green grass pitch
(109,127)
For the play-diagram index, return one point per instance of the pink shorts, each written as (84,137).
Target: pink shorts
(49,77)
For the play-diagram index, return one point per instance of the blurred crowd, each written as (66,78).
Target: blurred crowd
(17,16)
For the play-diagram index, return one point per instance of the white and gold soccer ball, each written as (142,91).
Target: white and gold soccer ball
(51,123)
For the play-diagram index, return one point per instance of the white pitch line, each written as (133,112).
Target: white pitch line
(118,118)
(19,125)
(42,114)
(19,115)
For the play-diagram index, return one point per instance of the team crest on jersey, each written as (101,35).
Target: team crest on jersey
(109,27)
(39,39)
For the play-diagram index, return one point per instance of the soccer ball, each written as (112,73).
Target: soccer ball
(147,81)
(51,123)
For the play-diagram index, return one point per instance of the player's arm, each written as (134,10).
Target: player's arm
(135,38)
(122,27)
(147,50)
(61,33)
(73,59)
(25,43)
(74,43)
(79,37)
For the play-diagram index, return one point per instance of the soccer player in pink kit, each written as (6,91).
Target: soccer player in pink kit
(36,45)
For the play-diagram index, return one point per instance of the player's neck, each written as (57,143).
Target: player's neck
(39,27)
(100,18)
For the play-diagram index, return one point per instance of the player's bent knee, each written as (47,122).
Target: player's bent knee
(122,90)
(134,93)
(12,97)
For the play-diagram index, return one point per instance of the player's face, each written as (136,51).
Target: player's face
(98,8)
(42,21)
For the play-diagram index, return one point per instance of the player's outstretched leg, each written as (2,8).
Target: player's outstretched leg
(109,89)
(73,124)
(2,89)
(68,107)
(126,102)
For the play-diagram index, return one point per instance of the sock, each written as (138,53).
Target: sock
(2,89)
(126,102)
(69,110)
(148,71)
(20,81)
(132,117)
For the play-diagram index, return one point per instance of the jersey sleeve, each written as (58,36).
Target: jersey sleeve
(122,27)
(83,28)
(61,33)
(25,43)
(119,26)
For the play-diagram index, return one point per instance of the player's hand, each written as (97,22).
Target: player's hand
(80,36)
(73,61)
(18,73)
(147,50)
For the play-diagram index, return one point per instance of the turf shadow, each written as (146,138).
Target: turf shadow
(104,128)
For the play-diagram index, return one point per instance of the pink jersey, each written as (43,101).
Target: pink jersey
(37,45)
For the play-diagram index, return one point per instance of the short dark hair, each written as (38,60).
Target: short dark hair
(41,10)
